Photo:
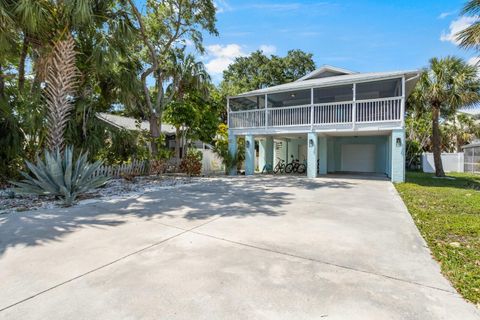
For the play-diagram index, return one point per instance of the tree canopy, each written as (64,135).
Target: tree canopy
(258,71)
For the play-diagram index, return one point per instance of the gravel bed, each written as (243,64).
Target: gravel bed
(115,188)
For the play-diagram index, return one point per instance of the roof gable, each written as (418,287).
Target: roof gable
(324,72)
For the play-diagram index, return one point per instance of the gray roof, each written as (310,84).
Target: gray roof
(127,123)
(337,80)
(471,145)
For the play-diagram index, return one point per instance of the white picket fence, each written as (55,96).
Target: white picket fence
(136,167)
(211,164)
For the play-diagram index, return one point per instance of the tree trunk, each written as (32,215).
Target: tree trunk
(177,143)
(437,142)
(154,133)
(21,64)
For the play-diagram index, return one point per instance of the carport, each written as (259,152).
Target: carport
(363,153)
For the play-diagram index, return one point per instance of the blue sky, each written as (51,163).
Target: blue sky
(359,35)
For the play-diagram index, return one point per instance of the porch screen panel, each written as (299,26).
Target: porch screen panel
(379,100)
(379,89)
(333,94)
(289,98)
(247,103)
(333,104)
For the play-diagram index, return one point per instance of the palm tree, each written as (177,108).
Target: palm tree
(190,78)
(470,36)
(446,86)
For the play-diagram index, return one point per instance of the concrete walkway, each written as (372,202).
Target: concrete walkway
(255,247)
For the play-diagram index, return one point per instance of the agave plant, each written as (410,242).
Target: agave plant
(60,176)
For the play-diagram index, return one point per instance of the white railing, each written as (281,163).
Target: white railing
(348,112)
(289,116)
(379,110)
(247,119)
(330,113)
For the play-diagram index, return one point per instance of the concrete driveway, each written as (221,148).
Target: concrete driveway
(246,247)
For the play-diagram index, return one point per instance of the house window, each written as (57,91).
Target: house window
(247,103)
(379,89)
(333,94)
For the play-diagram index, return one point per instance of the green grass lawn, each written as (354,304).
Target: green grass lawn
(447,212)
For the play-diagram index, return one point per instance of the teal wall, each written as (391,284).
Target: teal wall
(293,145)
(334,151)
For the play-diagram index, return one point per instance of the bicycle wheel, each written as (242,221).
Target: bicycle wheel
(289,168)
(277,168)
(301,168)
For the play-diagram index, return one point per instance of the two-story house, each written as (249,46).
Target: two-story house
(334,119)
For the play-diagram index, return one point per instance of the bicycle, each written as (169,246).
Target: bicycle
(295,166)
(267,168)
(280,167)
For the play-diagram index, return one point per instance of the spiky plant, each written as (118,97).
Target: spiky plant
(60,176)
(61,82)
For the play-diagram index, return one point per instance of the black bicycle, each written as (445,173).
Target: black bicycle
(295,166)
(280,167)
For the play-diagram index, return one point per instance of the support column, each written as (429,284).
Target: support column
(398,155)
(232,149)
(266,153)
(322,151)
(312,145)
(249,155)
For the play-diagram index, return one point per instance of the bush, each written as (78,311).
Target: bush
(60,176)
(192,163)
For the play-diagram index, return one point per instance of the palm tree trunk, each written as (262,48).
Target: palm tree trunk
(2,84)
(437,142)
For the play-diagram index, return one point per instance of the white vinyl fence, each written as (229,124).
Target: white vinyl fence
(452,162)
(211,163)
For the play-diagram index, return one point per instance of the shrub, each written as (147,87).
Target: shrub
(60,176)
(192,163)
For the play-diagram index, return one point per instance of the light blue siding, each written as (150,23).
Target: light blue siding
(265,153)
(322,155)
(249,155)
(232,149)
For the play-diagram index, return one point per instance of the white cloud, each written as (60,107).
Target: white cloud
(219,56)
(443,15)
(455,27)
(222,6)
(268,49)
(474,61)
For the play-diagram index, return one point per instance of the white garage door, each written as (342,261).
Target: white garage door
(358,157)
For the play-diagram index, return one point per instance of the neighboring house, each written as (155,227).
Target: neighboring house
(334,119)
(131,124)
